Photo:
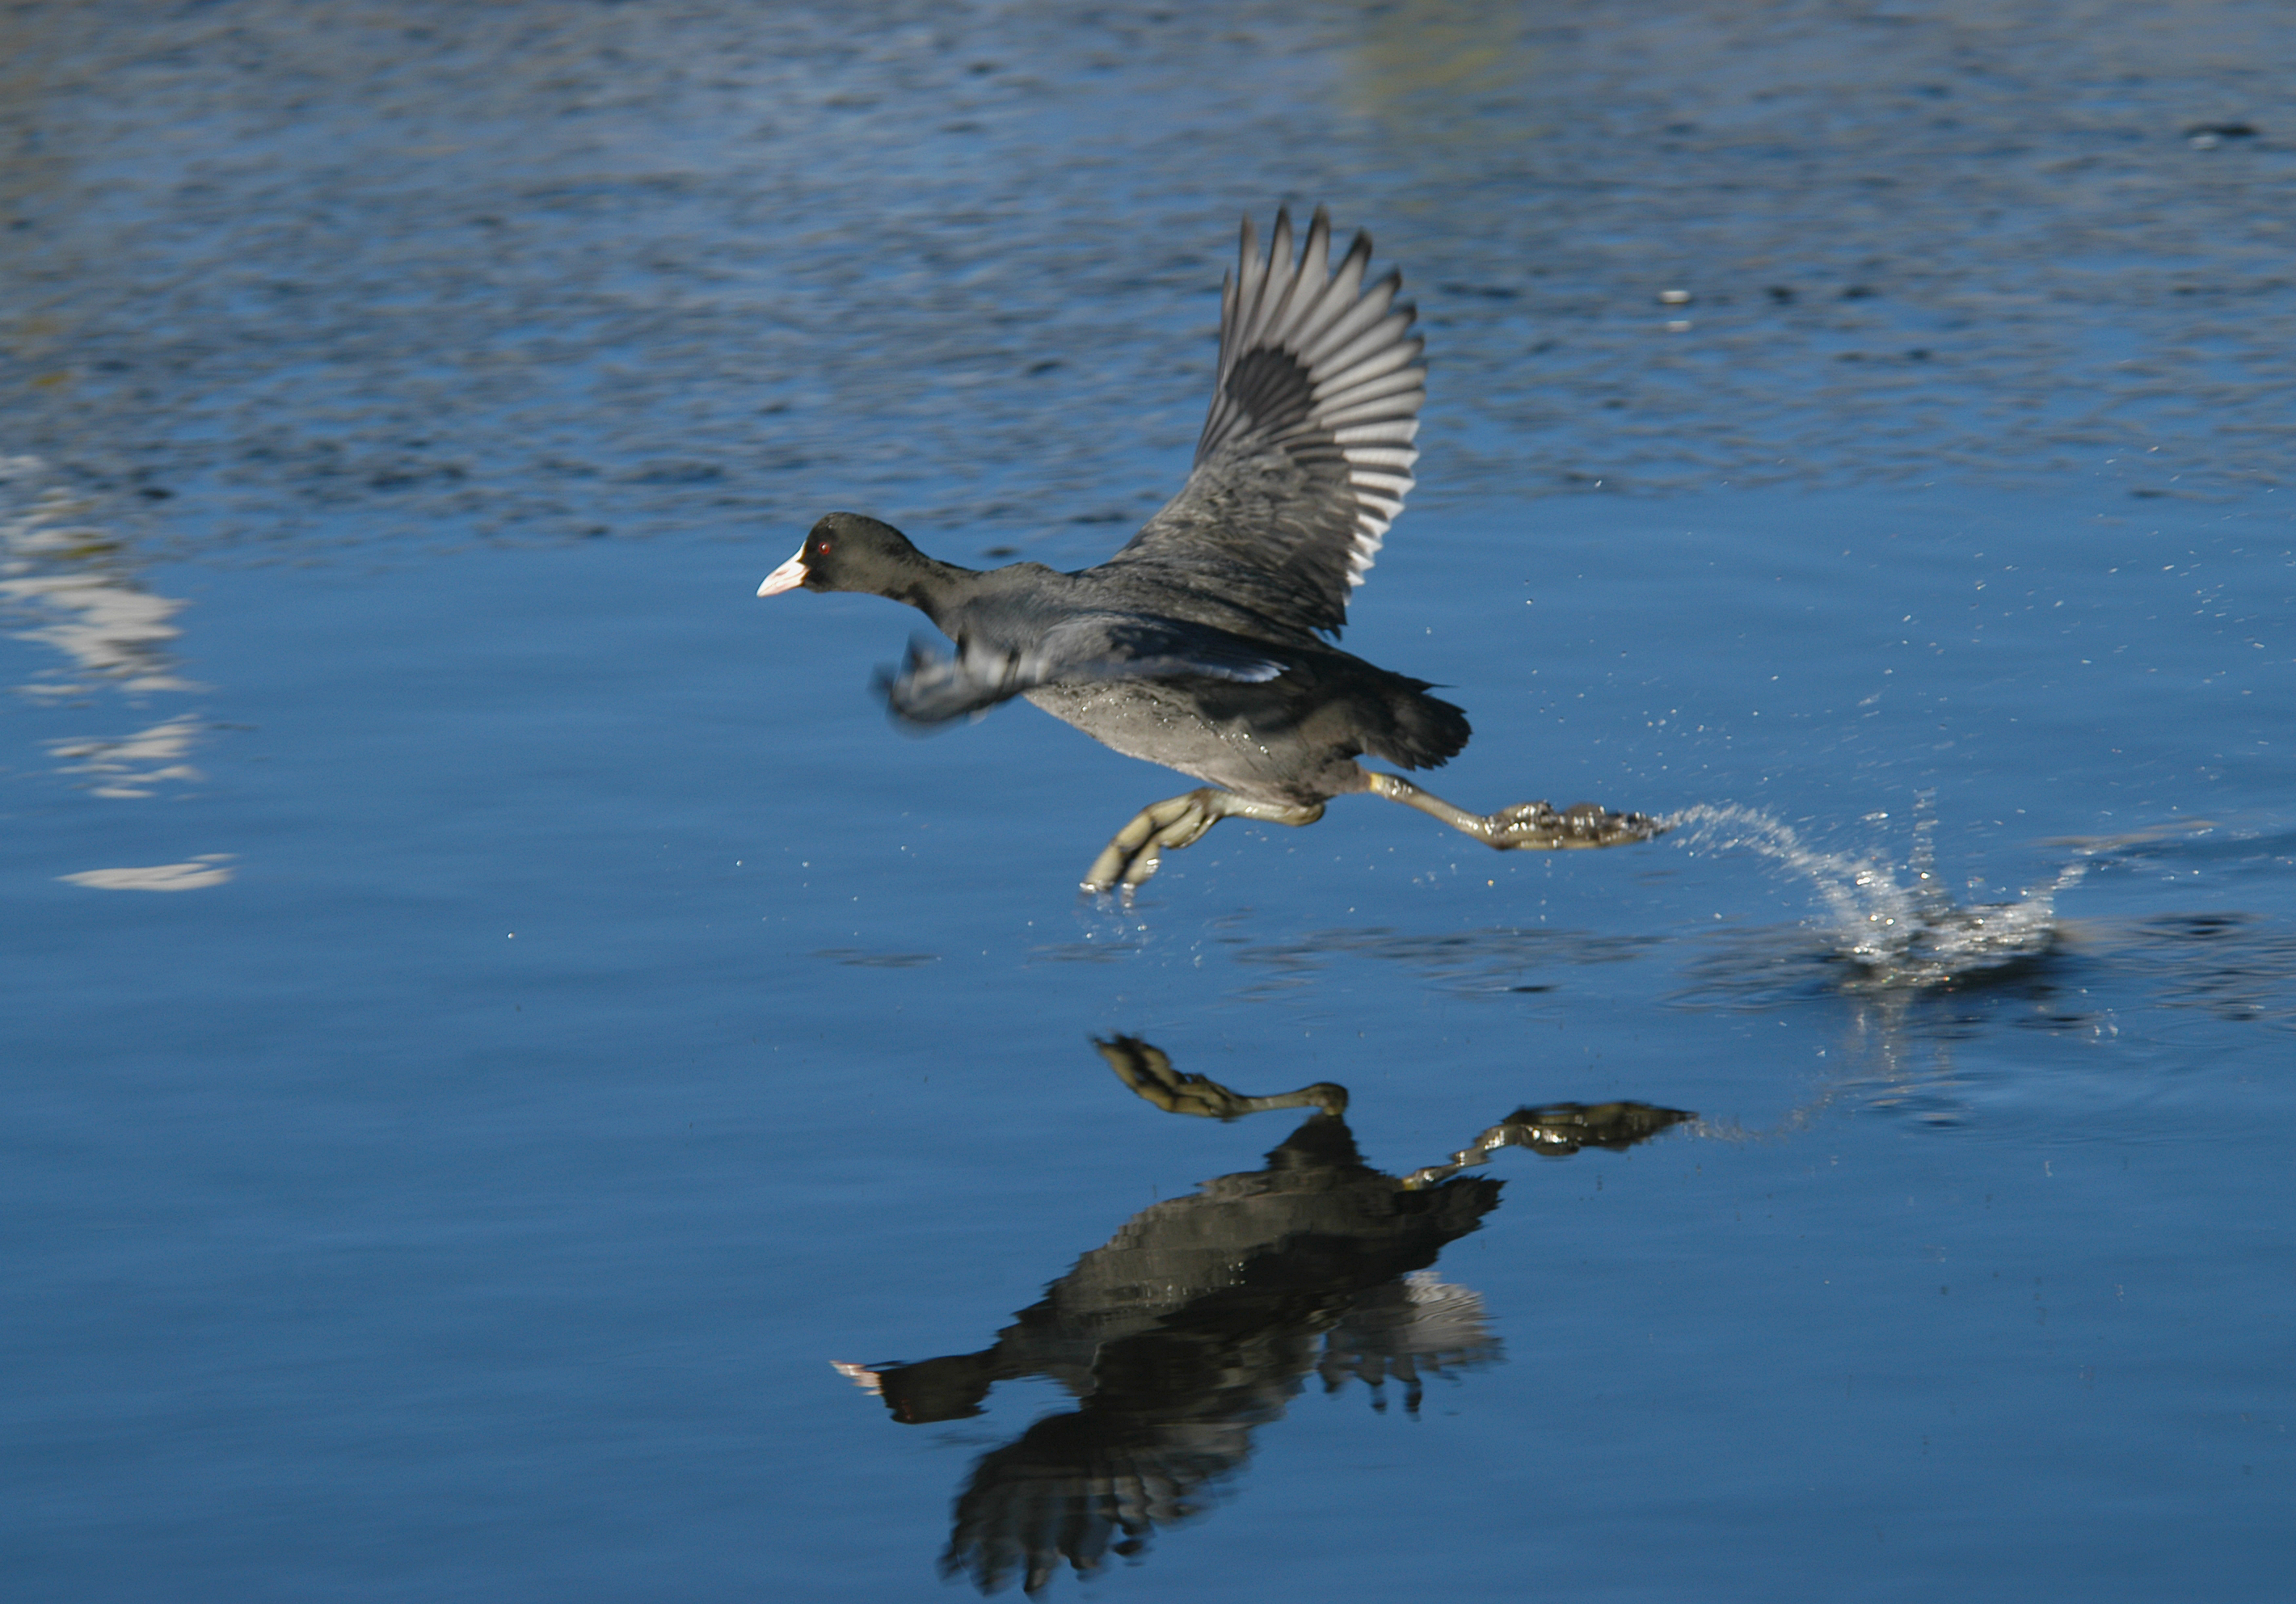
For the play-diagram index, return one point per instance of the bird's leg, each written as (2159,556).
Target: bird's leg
(1148,1072)
(1528,826)
(1131,857)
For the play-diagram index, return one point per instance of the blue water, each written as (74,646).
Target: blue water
(493,1011)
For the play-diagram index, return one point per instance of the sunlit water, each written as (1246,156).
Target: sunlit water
(1899,932)
(495,1016)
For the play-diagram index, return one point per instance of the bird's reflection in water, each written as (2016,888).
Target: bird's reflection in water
(1202,1317)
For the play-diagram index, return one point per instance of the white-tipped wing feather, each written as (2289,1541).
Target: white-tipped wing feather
(1307,451)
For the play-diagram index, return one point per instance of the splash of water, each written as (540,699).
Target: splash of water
(1899,933)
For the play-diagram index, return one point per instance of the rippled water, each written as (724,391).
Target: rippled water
(501,1035)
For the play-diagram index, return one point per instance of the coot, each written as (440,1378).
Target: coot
(1205,644)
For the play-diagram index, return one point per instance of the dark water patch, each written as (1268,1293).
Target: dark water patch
(853,958)
(2235,966)
(1481,962)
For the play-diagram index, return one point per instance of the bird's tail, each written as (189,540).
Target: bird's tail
(1414,730)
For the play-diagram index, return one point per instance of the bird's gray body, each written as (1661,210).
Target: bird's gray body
(1283,743)
(1281,724)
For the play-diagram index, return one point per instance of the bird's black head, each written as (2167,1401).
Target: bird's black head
(848,552)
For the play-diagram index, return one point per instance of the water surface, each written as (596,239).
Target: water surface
(494,1012)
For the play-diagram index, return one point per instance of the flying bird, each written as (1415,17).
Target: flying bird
(1206,643)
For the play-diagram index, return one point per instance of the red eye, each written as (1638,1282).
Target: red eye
(822,548)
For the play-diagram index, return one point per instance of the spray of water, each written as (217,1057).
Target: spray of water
(1899,933)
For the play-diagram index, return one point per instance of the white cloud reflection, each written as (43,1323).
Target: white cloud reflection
(212,870)
(68,585)
(109,630)
(131,765)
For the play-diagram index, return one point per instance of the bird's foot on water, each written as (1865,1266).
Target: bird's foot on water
(1539,827)
(1128,861)
(1132,855)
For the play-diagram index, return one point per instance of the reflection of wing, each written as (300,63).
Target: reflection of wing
(1404,1329)
(1307,453)
(1072,1489)
(932,689)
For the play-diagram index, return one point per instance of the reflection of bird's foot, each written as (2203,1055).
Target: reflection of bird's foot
(1558,1130)
(1537,827)
(1132,857)
(1148,1072)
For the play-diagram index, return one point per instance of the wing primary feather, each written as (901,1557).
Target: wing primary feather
(1370,305)
(1381,457)
(1375,340)
(1254,316)
(1395,388)
(1279,265)
(1330,302)
(1379,364)
(1247,291)
(1374,422)
(1306,451)
(1341,296)
(1298,309)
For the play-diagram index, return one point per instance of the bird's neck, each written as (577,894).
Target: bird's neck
(935,588)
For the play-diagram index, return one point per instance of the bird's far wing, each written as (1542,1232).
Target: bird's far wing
(1307,451)
(932,689)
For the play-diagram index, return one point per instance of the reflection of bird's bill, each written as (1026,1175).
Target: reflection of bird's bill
(861,1375)
(786,577)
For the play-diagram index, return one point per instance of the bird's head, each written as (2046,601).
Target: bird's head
(848,552)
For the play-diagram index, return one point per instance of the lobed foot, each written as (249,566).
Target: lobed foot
(1527,826)
(1537,827)
(1132,857)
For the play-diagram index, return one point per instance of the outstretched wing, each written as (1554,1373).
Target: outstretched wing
(932,689)
(1307,453)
